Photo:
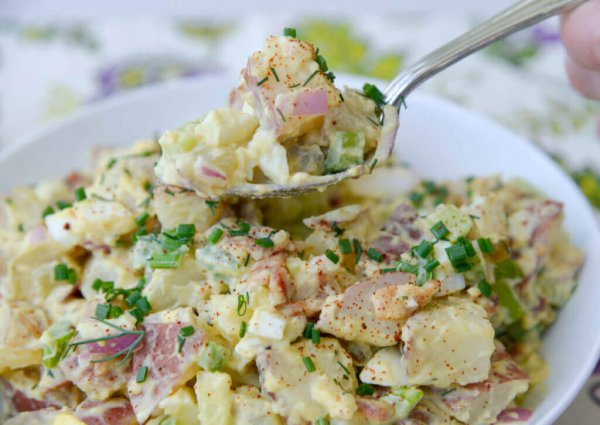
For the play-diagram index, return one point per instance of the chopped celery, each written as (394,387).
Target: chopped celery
(508,269)
(55,341)
(404,399)
(509,300)
(346,151)
(213,357)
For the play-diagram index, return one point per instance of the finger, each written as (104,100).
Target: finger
(584,80)
(580,32)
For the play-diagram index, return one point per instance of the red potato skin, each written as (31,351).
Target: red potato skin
(165,365)
(399,233)
(112,412)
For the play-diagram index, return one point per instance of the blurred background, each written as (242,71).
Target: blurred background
(58,56)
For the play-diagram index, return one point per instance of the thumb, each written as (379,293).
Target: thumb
(580,32)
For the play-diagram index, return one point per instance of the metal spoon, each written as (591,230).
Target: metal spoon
(518,16)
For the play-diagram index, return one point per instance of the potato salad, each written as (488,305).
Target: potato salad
(127,297)
(286,124)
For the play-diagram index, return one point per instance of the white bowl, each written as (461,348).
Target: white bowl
(439,140)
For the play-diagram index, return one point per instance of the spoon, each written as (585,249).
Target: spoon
(517,17)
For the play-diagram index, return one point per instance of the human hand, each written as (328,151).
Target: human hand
(580,32)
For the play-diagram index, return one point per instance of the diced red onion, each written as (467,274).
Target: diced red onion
(311,102)
(212,173)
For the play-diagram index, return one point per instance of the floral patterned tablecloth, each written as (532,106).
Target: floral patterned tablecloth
(48,70)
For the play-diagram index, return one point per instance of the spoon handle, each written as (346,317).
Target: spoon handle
(518,16)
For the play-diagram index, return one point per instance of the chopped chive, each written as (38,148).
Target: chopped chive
(143,305)
(322,421)
(21,227)
(180,342)
(293,86)
(344,368)
(365,389)
(242,230)
(372,92)
(141,283)
(72,276)
(457,254)
(289,32)
(357,249)
(448,391)
(47,211)
(375,123)
(80,194)
(132,298)
(169,192)
(105,286)
(247,260)
(166,261)
(407,267)
(139,317)
(389,270)
(485,288)
(316,336)
(332,256)
(431,265)
(403,102)
(187,331)
(345,246)
(242,306)
(185,230)
(275,74)
(61,272)
(115,312)
(141,219)
(111,163)
(462,267)
(310,78)
(265,242)
(261,82)
(148,188)
(142,374)
(416,198)
(215,235)
(439,230)
(308,330)
(485,244)
(423,249)
(468,246)
(338,231)
(373,164)
(281,114)
(308,363)
(63,204)
(374,255)
(243,329)
(430,186)
(212,205)
(103,311)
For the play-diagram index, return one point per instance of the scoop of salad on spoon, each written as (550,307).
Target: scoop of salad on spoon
(289,129)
